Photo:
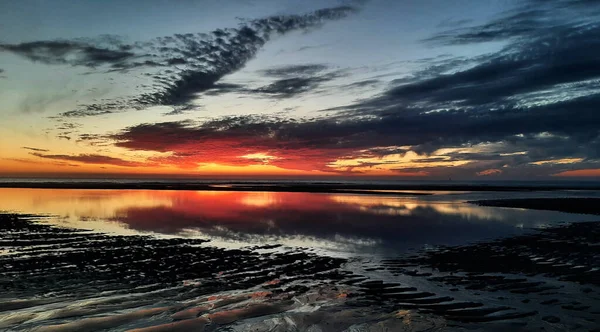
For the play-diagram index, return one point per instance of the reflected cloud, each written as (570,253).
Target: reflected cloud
(406,207)
(345,222)
(87,209)
(260,199)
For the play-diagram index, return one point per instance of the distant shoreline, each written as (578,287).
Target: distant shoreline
(581,205)
(357,188)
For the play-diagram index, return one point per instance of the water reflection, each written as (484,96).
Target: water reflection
(339,221)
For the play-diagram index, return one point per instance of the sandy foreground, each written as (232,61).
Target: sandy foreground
(56,279)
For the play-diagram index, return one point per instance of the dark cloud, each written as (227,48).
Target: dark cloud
(90,159)
(293,80)
(546,66)
(363,83)
(538,95)
(69,52)
(178,111)
(534,85)
(95,140)
(453,23)
(228,51)
(95,109)
(201,60)
(509,26)
(34,149)
(528,20)
(195,62)
(88,137)
(290,81)
(290,87)
(311,47)
(68,126)
(435,67)
(223,88)
(294,70)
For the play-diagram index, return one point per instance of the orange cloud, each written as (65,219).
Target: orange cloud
(488,172)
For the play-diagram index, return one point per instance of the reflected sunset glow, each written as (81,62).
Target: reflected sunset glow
(298,219)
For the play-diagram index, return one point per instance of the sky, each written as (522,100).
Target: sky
(428,89)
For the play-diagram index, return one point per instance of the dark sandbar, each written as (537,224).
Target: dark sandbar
(572,205)
(553,270)
(320,187)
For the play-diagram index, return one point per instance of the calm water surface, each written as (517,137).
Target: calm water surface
(342,223)
(337,252)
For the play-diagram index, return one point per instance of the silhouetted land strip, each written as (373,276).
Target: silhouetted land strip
(572,205)
(355,188)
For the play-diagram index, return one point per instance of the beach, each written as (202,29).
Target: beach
(239,275)
(301,166)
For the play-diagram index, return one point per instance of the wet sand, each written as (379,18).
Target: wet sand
(58,279)
(572,205)
(69,280)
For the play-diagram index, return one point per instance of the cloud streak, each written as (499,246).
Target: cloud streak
(91,159)
(532,18)
(291,87)
(289,82)
(34,149)
(72,53)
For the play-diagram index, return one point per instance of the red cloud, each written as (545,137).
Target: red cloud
(226,143)
(91,159)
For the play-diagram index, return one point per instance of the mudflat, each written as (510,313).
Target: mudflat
(60,279)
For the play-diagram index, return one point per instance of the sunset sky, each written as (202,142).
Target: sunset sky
(415,89)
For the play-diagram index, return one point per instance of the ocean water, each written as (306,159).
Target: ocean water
(272,261)
(343,223)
